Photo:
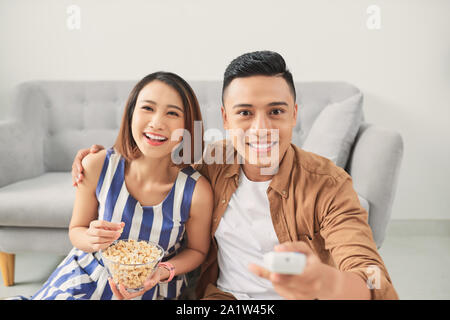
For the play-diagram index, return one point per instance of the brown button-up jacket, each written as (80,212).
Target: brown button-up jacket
(311,200)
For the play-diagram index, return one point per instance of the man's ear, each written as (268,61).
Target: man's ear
(224,118)
(294,120)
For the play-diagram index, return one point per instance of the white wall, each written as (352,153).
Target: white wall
(402,68)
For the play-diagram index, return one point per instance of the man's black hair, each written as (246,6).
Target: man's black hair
(258,63)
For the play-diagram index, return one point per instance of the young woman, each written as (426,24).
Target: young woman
(134,191)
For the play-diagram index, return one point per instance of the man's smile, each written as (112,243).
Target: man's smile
(261,146)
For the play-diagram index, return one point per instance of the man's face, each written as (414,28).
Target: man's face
(259,113)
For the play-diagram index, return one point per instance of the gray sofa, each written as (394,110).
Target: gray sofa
(53,119)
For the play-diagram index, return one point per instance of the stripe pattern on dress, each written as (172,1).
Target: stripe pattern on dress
(82,275)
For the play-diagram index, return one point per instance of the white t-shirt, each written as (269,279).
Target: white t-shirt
(245,233)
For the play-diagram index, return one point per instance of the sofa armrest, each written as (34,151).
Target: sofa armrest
(374,166)
(19,149)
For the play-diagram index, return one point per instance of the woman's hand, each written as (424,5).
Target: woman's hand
(122,292)
(101,233)
(77,168)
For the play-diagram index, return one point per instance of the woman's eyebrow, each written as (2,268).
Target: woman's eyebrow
(149,101)
(176,107)
(169,105)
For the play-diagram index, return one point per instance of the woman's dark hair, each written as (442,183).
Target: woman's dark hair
(125,144)
(265,63)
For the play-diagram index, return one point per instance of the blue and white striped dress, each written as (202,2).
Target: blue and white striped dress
(83,276)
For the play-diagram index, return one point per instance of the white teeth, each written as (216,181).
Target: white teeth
(261,145)
(151,136)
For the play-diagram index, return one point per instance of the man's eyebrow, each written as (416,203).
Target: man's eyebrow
(242,105)
(169,105)
(271,104)
(278,103)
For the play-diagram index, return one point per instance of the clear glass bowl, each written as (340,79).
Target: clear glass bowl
(131,263)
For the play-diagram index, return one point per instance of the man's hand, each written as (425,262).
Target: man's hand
(77,168)
(122,292)
(312,283)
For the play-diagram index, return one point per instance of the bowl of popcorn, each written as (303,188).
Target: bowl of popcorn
(131,262)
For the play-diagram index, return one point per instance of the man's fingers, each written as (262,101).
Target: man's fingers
(79,157)
(280,278)
(289,281)
(283,283)
(298,246)
(259,271)
(77,168)
(288,294)
(79,178)
(96,148)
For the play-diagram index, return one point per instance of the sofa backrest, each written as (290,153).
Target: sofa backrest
(65,116)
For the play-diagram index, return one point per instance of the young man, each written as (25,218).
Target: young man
(280,198)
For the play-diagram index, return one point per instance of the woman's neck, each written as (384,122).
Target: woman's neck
(156,170)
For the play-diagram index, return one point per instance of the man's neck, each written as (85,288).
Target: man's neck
(254,173)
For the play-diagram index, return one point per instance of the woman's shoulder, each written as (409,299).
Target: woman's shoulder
(202,197)
(191,172)
(94,160)
(93,164)
(202,185)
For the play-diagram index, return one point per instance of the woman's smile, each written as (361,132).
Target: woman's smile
(155,139)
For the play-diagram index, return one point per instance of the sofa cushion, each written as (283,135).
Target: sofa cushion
(66,116)
(334,130)
(44,201)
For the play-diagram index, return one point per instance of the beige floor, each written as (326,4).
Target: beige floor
(416,253)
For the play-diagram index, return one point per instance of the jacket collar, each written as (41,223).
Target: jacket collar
(282,179)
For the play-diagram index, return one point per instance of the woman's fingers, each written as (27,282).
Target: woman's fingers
(123,291)
(128,295)
(114,289)
(103,224)
(102,233)
(101,246)
(152,280)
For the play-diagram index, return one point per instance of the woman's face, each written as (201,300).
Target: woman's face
(159,111)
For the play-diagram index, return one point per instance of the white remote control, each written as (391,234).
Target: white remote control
(285,262)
